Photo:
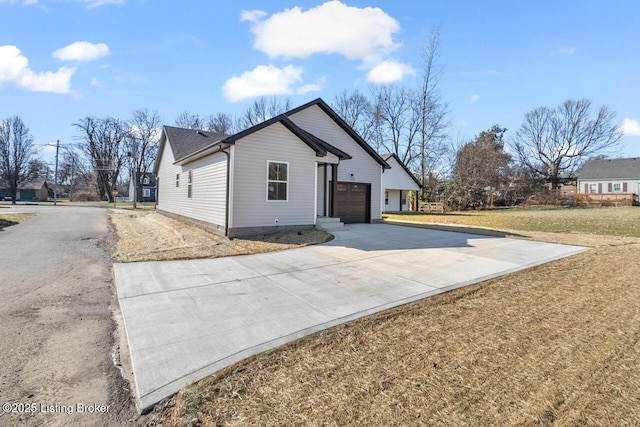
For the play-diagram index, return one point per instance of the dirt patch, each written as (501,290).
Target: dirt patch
(145,235)
(558,343)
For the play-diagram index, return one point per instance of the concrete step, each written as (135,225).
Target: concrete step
(329,224)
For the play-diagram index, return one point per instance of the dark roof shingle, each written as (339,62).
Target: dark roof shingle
(185,142)
(611,169)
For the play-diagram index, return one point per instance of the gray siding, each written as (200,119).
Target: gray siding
(363,167)
(208,201)
(250,156)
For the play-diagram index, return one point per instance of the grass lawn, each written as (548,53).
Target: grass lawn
(7,220)
(555,344)
(622,221)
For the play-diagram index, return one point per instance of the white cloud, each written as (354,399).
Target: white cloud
(266,80)
(630,127)
(82,51)
(252,15)
(89,3)
(389,72)
(14,69)
(364,34)
(567,51)
(475,98)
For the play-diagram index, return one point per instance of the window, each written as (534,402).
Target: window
(277,181)
(386,197)
(177,180)
(145,180)
(146,192)
(189,182)
(403,197)
(617,187)
(593,188)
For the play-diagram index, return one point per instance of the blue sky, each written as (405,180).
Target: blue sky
(61,60)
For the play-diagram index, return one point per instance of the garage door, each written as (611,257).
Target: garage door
(353,202)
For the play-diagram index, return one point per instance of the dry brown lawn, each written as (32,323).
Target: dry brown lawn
(558,344)
(144,235)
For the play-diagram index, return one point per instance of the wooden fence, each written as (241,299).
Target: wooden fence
(431,207)
(606,199)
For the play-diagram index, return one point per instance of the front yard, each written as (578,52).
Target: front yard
(555,344)
(144,235)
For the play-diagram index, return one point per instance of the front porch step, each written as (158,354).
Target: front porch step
(329,224)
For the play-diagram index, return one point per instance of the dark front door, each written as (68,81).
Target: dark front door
(353,201)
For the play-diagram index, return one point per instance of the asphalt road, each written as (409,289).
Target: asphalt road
(57,340)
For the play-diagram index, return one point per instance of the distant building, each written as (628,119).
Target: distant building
(146,188)
(35,190)
(610,180)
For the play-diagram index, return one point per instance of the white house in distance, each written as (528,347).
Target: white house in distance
(610,179)
(397,182)
(294,171)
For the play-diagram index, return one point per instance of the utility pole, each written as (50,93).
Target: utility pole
(55,176)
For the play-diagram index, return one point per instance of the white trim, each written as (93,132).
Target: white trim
(190,184)
(315,194)
(146,192)
(288,182)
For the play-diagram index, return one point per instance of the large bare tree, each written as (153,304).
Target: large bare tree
(142,145)
(432,112)
(103,140)
(74,171)
(553,143)
(16,150)
(189,120)
(220,123)
(358,112)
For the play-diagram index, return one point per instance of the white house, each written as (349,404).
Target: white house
(397,182)
(610,179)
(284,173)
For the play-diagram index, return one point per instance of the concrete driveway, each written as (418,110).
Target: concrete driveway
(188,319)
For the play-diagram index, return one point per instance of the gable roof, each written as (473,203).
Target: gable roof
(190,140)
(152,178)
(342,124)
(34,184)
(611,169)
(397,159)
(189,144)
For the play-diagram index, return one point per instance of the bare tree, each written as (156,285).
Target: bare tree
(16,150)
(103,142)
(432,111)
(74,171)
(553,143)
(142,145)
(189,120)
(396,122)
(358,112)
(220,123)
(263,109)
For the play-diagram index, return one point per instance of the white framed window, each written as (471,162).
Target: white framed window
(277,181)
(189,183)
(386,197)
(593,188)
(178,180)
(146,192)
(145,180)
(617,187)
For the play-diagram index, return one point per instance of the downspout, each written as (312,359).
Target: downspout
(226,215)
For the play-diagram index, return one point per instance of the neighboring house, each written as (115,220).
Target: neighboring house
(283,173)
(146,186)
(610,179)
(396,184)
(35,190)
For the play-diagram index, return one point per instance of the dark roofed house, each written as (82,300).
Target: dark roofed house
(146,187)
(303,168)
(35,190)
(610,181)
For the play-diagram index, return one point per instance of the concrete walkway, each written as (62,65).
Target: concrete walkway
(188,319)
